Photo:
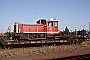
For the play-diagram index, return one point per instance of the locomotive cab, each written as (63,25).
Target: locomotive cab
(52,26)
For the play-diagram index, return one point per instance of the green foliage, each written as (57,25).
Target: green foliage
(66,31)
(5,38)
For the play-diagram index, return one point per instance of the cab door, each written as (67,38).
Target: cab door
(52,27)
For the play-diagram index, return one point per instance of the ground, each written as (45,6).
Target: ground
(44,52)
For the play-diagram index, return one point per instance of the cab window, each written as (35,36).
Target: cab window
(55,24)
(50,23)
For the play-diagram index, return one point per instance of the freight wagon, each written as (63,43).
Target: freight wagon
(45,31)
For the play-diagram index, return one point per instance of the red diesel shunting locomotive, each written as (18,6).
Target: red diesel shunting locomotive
(43,29)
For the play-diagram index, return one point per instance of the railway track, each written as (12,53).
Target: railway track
(81,57)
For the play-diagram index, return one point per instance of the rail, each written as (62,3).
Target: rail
(80,57)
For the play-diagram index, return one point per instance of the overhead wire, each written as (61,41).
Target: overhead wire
(35,9)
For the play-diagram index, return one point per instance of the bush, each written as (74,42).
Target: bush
(6,38)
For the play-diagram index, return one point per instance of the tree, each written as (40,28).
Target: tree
(66,31)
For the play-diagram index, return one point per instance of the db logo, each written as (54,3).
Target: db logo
(50,28)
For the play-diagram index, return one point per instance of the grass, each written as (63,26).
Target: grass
(17,52)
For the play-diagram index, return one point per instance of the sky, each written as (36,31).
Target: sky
(72,13)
